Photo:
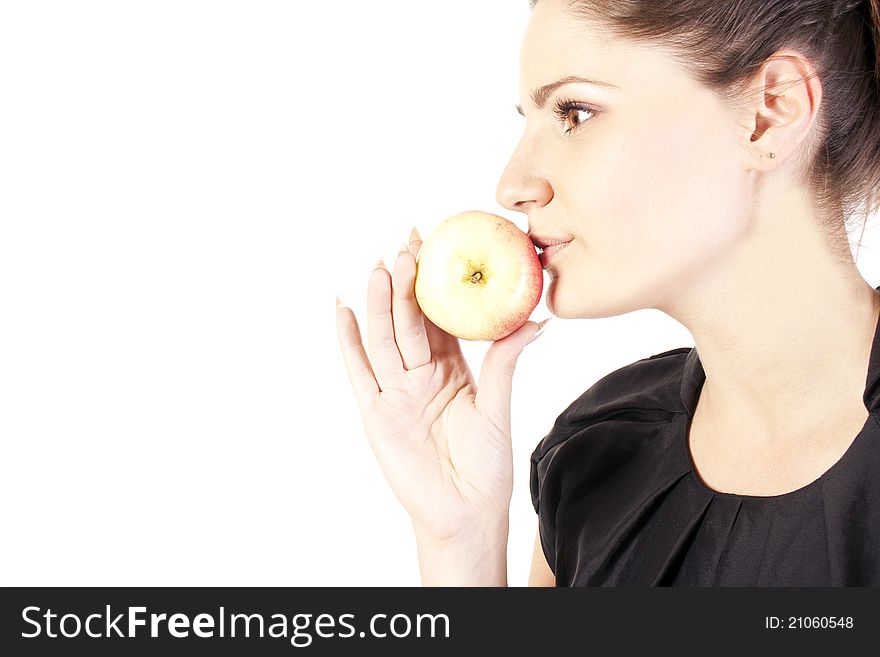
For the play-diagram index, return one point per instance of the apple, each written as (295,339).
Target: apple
(478,276)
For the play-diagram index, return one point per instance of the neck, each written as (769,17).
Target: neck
(783,328)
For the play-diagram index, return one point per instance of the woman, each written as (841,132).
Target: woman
(701,158)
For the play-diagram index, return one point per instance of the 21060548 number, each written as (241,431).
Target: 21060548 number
(808,622)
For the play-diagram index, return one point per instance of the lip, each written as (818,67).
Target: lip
(550,253)
(550,247)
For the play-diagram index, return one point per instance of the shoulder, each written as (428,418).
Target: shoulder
(612,419)
(647,391)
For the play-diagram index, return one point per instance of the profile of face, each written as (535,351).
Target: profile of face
(643,168)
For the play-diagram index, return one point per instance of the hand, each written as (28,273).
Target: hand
(442,442)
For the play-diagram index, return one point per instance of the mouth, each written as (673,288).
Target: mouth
(548,247)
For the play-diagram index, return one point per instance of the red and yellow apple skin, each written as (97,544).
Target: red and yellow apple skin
(478,276)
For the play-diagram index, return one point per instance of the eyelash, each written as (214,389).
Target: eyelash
(564,106)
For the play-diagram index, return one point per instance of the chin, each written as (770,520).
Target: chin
(557,305)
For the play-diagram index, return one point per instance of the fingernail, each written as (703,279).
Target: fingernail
(380,264)
(338,303)
(541,326)
(414,235)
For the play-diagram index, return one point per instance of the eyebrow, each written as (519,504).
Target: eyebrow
(541,94)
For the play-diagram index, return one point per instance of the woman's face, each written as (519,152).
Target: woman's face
(645,173)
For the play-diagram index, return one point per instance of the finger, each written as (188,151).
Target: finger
(409,325)
(356,363)
(415,242)
(384,355)
(496,374)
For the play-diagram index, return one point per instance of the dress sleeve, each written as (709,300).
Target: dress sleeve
(596,435)
(561,457)
(545,497)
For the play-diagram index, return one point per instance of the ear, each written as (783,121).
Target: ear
(783,104)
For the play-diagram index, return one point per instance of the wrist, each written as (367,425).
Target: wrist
(477,558)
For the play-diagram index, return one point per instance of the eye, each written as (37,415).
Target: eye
(570,113)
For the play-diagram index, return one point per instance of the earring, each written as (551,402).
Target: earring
(771,155)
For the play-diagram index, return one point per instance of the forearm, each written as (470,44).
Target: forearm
(478,560)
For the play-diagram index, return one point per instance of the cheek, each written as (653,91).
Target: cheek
(666,194)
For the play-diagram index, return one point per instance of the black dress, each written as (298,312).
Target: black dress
(620,504)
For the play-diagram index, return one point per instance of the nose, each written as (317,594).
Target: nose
(522,186)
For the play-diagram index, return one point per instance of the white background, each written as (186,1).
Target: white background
(184,189)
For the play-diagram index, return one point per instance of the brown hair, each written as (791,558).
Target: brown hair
(722,43)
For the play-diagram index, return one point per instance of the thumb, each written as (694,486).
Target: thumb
(496,373)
